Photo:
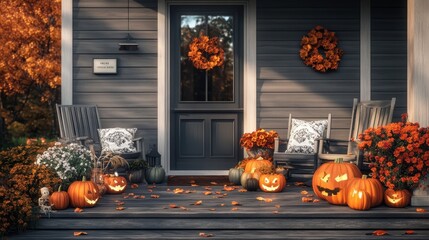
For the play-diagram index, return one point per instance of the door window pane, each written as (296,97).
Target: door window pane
(216,84)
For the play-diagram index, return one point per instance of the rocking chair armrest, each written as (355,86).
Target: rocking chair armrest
(140,146)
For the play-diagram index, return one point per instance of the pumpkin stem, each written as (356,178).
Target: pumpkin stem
(364,176)
(83,179)
(339,160)
(59,188)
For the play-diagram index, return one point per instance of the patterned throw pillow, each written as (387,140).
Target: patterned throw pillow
(303,135)
(117,140)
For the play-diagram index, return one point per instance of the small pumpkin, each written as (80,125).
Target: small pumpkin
(370,185)
(114,183)
(136,176)
(59,199)
(155,175)
(397,198)
(83,193)
(252,184)
(330,180)
(234,175)
(247,175)
(359,200)
(272,182)
(255,164)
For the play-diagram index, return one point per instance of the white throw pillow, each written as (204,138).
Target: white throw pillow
(303,135)
(117,140)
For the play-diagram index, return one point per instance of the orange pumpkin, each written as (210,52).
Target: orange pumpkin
(330,180)
(59,199)
(370,185)
(272,182)
(115,183)
(83,193)
(255,164)
(397,198)
(359,200)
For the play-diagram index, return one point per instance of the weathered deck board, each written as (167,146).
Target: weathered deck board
(285,217)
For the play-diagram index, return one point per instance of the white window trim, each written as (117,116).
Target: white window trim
(67,52)
(249,76)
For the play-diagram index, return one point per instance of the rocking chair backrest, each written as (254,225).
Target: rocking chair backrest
(78,121)
(369,114)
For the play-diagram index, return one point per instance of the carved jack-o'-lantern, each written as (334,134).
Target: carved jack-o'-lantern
(272,182)
(359,200)
(397,198)
(115,183)
(83,193)
(370,185)
(330,180)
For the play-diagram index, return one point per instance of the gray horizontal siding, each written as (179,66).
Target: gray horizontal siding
(389,52)
(129,98)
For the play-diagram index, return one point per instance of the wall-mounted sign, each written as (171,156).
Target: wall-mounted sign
(105,66)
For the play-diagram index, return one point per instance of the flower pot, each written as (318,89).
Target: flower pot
(265,153)
(136,176)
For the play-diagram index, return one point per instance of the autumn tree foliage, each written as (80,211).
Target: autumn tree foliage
(30,65)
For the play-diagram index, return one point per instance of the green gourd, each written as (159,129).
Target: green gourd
(155,175)
(234,175)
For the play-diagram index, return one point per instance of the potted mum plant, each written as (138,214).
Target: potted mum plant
(398,154)
(259,143)
(136,170)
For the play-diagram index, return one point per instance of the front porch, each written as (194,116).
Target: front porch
(163,213)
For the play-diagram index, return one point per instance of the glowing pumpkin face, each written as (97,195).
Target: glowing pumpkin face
(83,194)
(272,182)
(330,181)
(115,184)
(397,198)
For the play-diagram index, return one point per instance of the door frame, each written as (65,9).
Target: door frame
(249,76)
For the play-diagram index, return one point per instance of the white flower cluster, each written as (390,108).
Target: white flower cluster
(71,161)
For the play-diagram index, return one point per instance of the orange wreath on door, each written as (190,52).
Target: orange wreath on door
(319,49)
(205,53)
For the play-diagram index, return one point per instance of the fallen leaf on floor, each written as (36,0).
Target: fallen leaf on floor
(134,185)
(299,184)
(242,190)
(268,200)
(309,195)
(150,190)
(142,197)
(178,190)
(409,232)
(213,183)
(234,209)
(212,209)
(207,193)
(131,194)
(260,199)
(120,203)
(420,210)
(120,208)
(173,206)
(154,196)
(208,188)
(276,212)
(303,192)
(151,187)
(79,233)
(316,200)
(235,203)
(197,202)
(277,206)
(78,210)
(222,204)
(136,197)
(125,197)
(307,199)
(218,193)
(168,190)
(194,185)
(379,233)
(192,182)
(228,188)
(202,234)
(184,209)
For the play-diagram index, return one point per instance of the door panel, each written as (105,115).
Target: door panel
(206,105)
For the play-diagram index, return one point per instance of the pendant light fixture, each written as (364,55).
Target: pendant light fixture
(128,45)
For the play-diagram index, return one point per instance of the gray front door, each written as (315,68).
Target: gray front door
(206,104)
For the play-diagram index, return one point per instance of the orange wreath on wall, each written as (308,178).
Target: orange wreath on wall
(320,37)
(205,53)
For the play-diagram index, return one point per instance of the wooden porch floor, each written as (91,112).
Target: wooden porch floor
(285,217)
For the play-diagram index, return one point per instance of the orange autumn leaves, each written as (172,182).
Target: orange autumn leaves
(205,53)
(258,139)
(398,153)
